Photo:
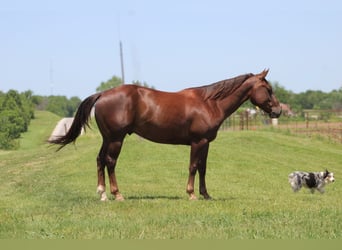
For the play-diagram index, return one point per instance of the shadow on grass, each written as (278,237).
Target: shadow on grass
(164,197)
(154,197)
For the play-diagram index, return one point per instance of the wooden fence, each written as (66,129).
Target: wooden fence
(324,124)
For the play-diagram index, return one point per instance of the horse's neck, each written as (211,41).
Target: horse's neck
(233,101)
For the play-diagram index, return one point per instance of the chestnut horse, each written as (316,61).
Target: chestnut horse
(189,117)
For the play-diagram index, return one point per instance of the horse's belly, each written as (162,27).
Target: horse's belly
(166,136)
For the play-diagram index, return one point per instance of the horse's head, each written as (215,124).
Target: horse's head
(263,97)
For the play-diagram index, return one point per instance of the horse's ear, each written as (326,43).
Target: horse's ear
(263,74)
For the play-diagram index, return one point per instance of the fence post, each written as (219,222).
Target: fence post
(341,132)
(246,115)
(241,121)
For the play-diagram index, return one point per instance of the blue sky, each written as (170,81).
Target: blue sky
(70,47)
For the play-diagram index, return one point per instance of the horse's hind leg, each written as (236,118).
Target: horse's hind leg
(108,157)
(101,184)
(112,155)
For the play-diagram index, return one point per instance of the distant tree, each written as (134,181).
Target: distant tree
(335,99)
(144,84)
(73,104)
(59,105)
(310,99)
(10,129)
(283,95)
(116,81)
(40,102)
(12,123)
(111,83)
(16,112)
(28,105)
(20,105)
(62,106)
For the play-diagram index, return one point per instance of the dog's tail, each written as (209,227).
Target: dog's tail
(291,177)
(295,181)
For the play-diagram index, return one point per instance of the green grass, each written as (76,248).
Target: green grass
(45,194)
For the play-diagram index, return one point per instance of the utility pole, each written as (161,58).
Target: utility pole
(122,65)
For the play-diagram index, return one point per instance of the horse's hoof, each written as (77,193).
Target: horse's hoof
(119,197)
(104,199)
(207,197)
(192,197)
(103,196)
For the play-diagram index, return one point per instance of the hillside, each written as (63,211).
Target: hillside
(48,194)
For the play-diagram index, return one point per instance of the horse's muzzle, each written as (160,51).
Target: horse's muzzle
(276,112)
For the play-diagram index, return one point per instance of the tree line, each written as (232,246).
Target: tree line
(310,99)
(17,110)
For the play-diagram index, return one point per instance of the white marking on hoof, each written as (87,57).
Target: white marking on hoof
(104,197)
(101,190)
(192,197)
(119,197)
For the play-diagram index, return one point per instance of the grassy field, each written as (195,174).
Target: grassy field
(52,195)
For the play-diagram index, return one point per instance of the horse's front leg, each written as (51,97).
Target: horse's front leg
(191,182)
(202,167)
(198,158)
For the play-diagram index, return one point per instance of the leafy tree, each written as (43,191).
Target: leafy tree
(111,83)
(62,106)
(28,106)
(310,99)
(59,105)
(73,104)
(16,112)
(336,99)
(283,95)
(144,84)
(20,105)
(12,123)
(117,81)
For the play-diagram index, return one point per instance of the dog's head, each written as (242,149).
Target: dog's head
(328,176)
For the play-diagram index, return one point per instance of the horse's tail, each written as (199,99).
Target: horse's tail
(80,121)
